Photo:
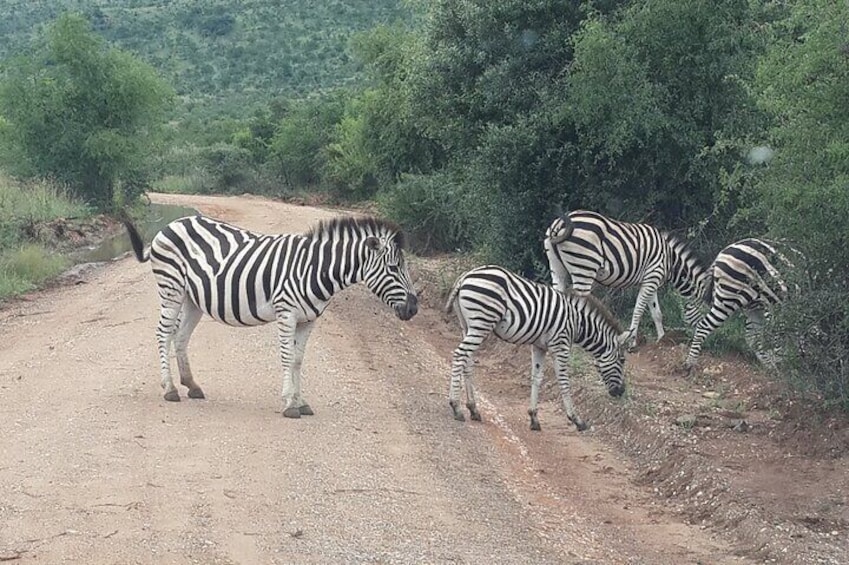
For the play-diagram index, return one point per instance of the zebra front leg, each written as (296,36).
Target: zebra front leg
(168,320)
(302,334)
(286,327)
(712,320)
(537,360)
(189,318)
(561,369)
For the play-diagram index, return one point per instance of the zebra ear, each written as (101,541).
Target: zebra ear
(373,243)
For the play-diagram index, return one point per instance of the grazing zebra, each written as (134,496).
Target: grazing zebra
(241,278)
(590,248)
(744,277)
(491,299)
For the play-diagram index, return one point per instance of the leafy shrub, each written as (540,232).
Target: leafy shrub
(24,204)
(433,210)
(28,267)
(227,168)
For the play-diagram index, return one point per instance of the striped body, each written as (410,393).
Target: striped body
(241,278)
(491,299)
(588,248)
(745,276)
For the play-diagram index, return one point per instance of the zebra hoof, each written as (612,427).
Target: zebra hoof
(195,393)
(305,410)
(292,412)
(459,417)
(475,415)
(581,426)
(172,396)
(535,426)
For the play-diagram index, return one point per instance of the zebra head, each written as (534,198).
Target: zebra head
(385,274)
(611,364)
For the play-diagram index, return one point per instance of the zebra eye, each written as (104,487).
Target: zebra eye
(392,268)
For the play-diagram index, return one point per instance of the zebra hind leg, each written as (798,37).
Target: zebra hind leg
(537,360)
(169,318)
(461,373)
(189,318)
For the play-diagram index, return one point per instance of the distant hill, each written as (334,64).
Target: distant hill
(220,53)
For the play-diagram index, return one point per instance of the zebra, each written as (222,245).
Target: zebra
(491,299)
(242,278)
(744,277)
(590,248)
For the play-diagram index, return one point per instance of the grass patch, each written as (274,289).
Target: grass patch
(179,184)
(25,263)
(24,269)
(25,204)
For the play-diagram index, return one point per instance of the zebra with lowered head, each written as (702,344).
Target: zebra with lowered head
(744,277)
(491,299)
(588,248)
(242,278)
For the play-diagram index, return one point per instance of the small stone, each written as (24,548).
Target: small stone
(712,394)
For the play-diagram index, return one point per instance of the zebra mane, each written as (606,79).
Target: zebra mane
(594,304)
(368,225)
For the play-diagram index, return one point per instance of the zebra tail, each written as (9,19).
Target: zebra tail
(452,296)
(564,234)
(137,243)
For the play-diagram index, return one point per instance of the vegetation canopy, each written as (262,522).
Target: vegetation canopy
(83,113)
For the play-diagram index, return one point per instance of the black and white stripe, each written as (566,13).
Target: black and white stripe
(490,299)
(241,278)
(588,248)
(745,276)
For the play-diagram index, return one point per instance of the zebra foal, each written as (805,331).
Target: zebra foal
(588,248)
(491,299)
(241,278)
(744,277)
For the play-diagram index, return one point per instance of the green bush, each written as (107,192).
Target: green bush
(24,269)
(228,168)
(433,210)
(25,204)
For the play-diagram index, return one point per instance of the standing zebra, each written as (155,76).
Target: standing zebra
(590,248)
(744,277)
(491,299)
(240,278)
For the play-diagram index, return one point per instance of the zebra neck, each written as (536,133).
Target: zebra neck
(595,334)
(335,267)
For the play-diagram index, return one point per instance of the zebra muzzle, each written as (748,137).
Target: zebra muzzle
(409,309)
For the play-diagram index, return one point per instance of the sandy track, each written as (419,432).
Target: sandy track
(96,468)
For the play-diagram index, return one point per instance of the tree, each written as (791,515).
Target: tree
(84,113)
(803,192)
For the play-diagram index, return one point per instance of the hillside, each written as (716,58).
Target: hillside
(223,53)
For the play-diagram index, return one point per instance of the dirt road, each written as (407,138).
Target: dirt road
(95,467)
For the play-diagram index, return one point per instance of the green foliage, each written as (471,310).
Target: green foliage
(83,113)
(27,267)
(224,57)
(227,168)
(306,127)
(436,213)
(350,167)
(23,205)
(803,193)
